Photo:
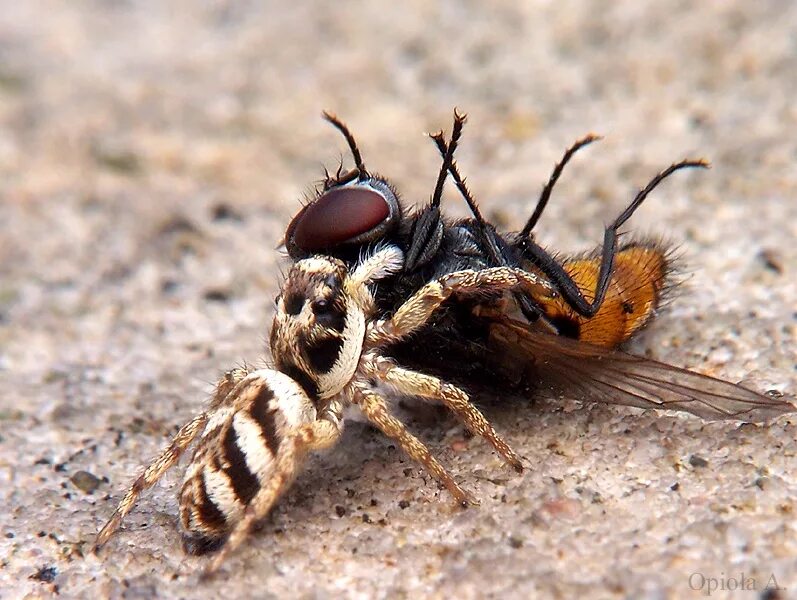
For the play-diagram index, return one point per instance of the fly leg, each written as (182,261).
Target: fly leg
(498,254)
(570,291)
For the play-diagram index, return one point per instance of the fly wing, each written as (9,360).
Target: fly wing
(599,374)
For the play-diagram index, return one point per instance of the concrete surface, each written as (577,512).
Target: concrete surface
(151,155)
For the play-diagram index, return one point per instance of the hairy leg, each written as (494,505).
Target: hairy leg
(378,413)
(168,457)
(415,312)
(317,435)
(413,383)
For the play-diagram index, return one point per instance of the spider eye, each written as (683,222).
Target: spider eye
(329,315)
(343,215)
(293,304)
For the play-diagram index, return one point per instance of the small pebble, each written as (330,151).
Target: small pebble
(45,574)
(85,481)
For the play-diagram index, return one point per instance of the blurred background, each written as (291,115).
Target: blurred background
(151,155)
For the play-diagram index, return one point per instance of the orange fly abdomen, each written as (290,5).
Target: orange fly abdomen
(635,290)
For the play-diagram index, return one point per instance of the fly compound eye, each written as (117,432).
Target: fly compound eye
(345,215)
(339,216)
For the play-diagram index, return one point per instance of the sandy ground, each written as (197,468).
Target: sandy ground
(150,158)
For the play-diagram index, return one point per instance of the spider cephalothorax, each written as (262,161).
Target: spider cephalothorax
(318,329)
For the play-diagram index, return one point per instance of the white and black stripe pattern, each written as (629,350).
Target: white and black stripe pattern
(236,455)
(347,356)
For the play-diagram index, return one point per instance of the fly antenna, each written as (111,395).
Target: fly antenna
(355,151)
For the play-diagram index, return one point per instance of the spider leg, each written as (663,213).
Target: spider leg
(415,312)
(226,384)
(167,458)
(376,410)
(456,400)
(321,433)
(497,256)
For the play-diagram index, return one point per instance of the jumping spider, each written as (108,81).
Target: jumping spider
(327,348)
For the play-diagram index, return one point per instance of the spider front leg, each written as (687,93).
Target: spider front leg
(376,410)
(168,457)
(416,312)
(320,434)
(456,400)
